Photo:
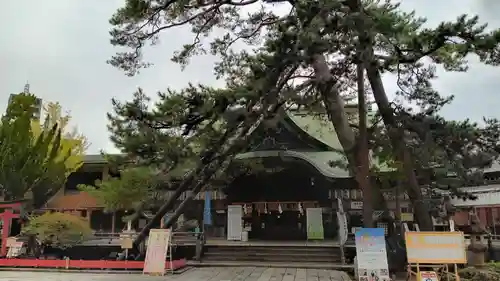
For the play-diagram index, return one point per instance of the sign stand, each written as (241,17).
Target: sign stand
(371,256)
(453,253)
(158,250)
(169,252)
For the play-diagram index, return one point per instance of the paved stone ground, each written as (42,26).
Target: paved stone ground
(195,274)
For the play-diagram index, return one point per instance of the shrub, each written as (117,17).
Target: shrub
(59,230)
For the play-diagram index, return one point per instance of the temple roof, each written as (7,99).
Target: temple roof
(321,129)
(487,195)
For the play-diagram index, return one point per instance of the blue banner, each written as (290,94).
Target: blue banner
(207,212)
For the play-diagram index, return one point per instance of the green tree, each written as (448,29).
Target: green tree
(71,150)
(58,230)
(134,188)
(34,160)
(306,44)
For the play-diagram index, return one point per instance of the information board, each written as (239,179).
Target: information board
(371,255)
(156,252)
(314,218)
(234,222)
(434,247)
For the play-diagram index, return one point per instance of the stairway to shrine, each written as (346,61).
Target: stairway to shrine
(275,254)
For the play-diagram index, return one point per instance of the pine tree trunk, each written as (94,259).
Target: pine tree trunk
(335,109)
(401,153)
(363,152)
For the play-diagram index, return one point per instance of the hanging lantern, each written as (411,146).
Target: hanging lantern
(265,208)
(280,210)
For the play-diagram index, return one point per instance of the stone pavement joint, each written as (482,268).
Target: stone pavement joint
(195,274)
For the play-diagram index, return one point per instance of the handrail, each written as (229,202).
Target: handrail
(106,234)
(179,235)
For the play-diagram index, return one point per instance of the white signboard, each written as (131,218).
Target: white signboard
(371,255)
(315,229)
(356,205)
(15,249)
(156,253)
(234,222)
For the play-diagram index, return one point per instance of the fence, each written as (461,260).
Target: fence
(85,264)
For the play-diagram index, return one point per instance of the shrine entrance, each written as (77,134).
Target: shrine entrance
(274,204)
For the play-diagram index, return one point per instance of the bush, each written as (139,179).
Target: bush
(59,230)
(488,273)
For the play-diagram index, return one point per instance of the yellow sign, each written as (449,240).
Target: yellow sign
(127,243)
(406,216)
(435,247)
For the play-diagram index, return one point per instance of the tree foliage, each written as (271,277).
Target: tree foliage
(308,58)
(72,141)
(35,158)
(131,190)
(59,230)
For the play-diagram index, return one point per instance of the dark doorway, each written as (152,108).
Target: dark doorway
(294,182)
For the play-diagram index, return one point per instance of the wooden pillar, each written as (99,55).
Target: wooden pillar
(105,172)
(89,216)
(113,222)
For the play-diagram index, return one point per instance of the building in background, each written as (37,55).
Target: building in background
(38,105)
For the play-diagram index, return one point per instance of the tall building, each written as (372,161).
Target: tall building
(38,103)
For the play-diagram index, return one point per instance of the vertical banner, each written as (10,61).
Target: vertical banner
(371,255)
(314,218)
(234,223)
(342,222)
(156,253)
(207,210)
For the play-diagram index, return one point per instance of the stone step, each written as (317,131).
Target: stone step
(274,258)
(272,254)
(257,253)
(283,255)
(273,249)
(303,264)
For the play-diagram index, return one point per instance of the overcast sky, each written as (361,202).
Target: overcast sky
(61,48)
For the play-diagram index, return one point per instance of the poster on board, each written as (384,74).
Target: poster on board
(156,252)
(371,255)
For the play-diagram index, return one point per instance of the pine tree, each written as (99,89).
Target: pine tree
(315,45)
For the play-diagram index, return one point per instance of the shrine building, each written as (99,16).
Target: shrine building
(297,155)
